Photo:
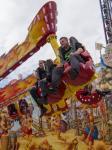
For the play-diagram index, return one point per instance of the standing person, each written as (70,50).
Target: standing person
(72,55)
(5,126)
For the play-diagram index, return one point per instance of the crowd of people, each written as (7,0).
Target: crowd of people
(9,130)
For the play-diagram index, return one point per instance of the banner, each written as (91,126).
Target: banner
(17,89)
(107,58)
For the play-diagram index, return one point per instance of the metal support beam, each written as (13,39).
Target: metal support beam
(106,12)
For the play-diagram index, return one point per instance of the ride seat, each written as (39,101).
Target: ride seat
(55,97)
(86,56)
(93,98)
(86,70)
(67,67)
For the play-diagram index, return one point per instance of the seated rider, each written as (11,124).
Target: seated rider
(44,73)
(41,75)
(70,53)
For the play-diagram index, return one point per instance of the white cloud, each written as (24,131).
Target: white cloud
(81,19)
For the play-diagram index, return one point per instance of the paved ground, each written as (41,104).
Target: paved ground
(52,139)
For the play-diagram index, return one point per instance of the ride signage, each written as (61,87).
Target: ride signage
(107,57)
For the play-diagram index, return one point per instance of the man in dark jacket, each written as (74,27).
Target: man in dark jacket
(44,73)
(41,76)
(69,52)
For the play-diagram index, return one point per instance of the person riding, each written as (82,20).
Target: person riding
(70,49)
(44,76)
(40,71)
(70,53)
(41,76)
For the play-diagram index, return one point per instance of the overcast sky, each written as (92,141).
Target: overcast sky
(79,18)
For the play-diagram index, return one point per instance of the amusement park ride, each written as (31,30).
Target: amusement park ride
(106,12)
(43,30)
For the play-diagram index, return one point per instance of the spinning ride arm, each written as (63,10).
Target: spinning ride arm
(42,26)
(42,30)
(52,40)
